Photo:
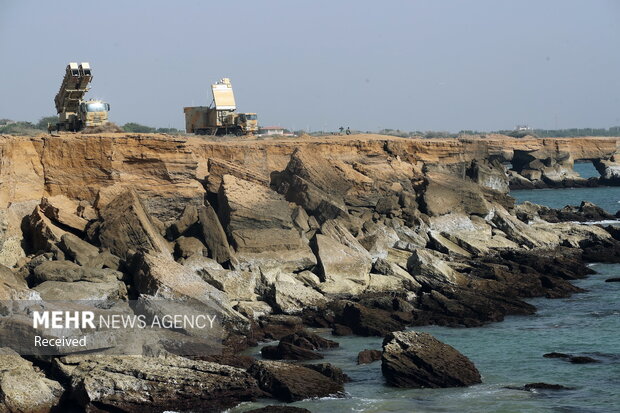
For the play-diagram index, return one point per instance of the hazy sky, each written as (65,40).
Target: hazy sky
(367,64)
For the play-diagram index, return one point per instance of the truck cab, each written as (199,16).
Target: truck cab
(248,122)
(94,113)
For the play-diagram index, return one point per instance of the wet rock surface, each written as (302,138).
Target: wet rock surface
(412,359)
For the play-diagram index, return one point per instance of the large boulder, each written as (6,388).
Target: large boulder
(44,235)
(259,222)
(288,294)
(64,211)
(126,228)
(13,287)
(82,290)
(138,384)
(314,183)
(413,359)
(11,237)
(218,168)
(609,169)
(77,249)
(214,235)
(160,276)
(289,383)
(67,271)
(342,269)
(23,388)
(444,194)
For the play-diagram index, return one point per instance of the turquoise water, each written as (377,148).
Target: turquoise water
(607,198)
(507,354)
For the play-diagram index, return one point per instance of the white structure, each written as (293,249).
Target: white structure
(271,130)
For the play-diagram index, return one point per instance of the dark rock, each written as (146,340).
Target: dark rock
(582,360)
(77,250)
(545,386)
(412,359)
(234,360)
(366,321)
(554,355)
(171,383)
(309,341)
(188,218)
(613,280)
(290,383)
(331,371)
(368,356)
(185,247)
(288,351)
(274,327)
(341,330)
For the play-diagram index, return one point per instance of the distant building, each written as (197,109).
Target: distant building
(271,130)
(522,128)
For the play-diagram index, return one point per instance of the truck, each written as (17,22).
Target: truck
(221,116)
(75,113)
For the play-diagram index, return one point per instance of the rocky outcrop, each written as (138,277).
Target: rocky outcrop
(368,356)
(126,228)
(289,383)
(23,388)
(171,383)
(412,359)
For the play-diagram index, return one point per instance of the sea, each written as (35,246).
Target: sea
(508,353)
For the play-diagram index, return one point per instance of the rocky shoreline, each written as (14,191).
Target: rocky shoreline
(368,239)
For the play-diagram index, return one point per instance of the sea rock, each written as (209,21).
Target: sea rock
(276,326)
(368,356)
(126,228)
(214,234)
(253,309)
(82,290)
(188,218)
(343,269)
(289,351)
(279,409)
(290,383)
(23,388)
(171,383)
(445,194)
(366,321)
(609,169)
(43,233)
(413,359)
(289,295)
(329,370)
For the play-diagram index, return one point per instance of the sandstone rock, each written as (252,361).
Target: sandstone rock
(188,218)
(300,219)
(11,237)
(185,247)
(290,383)
(254,309)
(214,234)
(67,271)
(444,245)
(127,229)
(63,211)
(287,294)
(310,341)
(162,277)
(491,175)
(43,233)
(82,290)
(274,327)
(13,287)
(379,241)
(445,194)
(171,383)
(609,169)
(219,167)
(77,250)
(238,285)
(366,321)
(23,388)
(314,184)
(427,264)
(368,356)
(343,269)
(412,359)
(384,283)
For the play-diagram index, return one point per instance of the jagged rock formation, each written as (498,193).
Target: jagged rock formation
(365,235)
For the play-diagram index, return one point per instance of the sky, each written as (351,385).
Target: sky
(412,65)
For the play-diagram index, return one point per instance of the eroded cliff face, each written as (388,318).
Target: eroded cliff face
(169,170)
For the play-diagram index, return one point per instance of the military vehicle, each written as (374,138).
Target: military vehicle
(220,118)
(75,114)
